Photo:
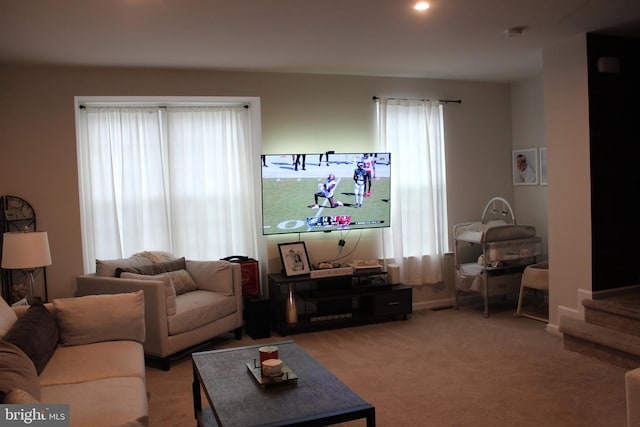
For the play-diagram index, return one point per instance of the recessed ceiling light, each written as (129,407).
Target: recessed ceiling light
(421,5)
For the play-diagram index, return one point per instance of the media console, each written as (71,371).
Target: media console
(332,302)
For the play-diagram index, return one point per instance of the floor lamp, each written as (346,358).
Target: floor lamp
(26,251)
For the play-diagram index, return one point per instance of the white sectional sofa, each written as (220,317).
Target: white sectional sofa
(82,352)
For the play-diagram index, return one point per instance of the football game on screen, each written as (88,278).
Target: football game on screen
(325,192)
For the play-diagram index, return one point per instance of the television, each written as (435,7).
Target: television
(316,192)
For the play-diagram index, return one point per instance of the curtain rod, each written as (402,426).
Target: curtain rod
(82,106)
(444,101)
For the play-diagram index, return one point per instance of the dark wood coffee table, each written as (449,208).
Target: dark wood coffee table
(236,399)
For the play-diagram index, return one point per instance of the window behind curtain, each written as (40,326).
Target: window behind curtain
(412,130)
(176,179)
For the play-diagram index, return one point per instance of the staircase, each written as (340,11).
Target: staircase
(611,329)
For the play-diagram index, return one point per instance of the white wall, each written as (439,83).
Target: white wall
(527,113)
(300,112)
(566,116)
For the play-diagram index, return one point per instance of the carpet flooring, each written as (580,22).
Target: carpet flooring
(441,368)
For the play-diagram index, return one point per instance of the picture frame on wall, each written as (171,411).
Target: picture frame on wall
(295,260)
(543,166)
(525,166)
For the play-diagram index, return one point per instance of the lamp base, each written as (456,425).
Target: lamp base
(31,297)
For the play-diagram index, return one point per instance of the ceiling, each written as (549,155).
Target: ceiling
(453,39)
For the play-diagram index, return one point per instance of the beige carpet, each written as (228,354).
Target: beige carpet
(442,368)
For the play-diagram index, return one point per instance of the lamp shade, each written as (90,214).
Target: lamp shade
(24,250)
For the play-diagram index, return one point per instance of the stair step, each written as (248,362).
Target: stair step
(616,347)
(618,313)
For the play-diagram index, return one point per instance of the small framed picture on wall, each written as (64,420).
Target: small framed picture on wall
(543,166)
(525,166)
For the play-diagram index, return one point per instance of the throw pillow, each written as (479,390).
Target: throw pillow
(169,290)
(157,256)
(153,269)
(212,276)
(17,371)
(18,396)
(97,318)
(7,317)
(35,333)
(182,281)
(108,267)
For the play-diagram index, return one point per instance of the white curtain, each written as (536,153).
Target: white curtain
(412,131)
(175,179)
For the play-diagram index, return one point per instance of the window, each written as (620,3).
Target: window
(412,130)
(176,178)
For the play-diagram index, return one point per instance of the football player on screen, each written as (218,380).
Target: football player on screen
(369,167)
(326,190)
(359,177)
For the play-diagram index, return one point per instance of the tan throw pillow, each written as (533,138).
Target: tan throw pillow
(182,281)
(157,256)
(97,318)
(7,317)
(17,371)
(107,267)
(19,397)
(212,276)
(169,290)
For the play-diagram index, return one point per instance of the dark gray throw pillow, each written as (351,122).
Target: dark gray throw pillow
(157,268)
(35,333)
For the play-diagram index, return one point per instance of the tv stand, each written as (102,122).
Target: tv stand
(334,302)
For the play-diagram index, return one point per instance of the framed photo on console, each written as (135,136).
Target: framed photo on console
(294,258)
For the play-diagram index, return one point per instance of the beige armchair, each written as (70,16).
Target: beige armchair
(187,303)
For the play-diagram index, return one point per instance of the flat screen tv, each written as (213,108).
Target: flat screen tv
(319,192)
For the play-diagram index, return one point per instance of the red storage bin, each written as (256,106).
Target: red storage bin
(250,274)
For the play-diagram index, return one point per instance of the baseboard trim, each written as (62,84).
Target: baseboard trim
(568,312)
(553,329)
(434,304)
